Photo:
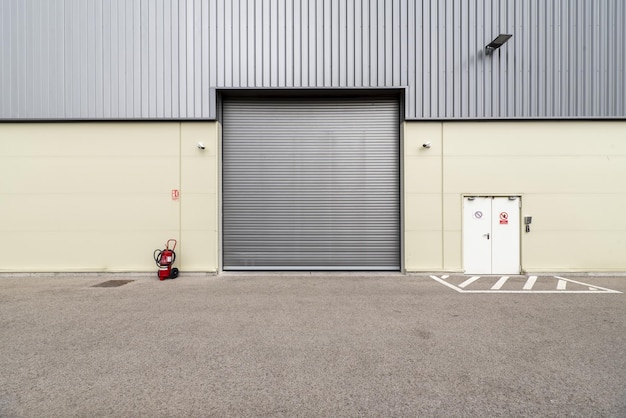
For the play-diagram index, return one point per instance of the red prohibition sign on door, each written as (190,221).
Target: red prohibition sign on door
(504,218)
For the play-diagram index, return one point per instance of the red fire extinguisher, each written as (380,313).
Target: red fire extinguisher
(164,260)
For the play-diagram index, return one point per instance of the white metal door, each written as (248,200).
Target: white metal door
(505,229)
(477,235)
(491,235)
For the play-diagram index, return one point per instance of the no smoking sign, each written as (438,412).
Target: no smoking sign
(504,218)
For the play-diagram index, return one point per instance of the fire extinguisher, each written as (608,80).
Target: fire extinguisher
(164,260)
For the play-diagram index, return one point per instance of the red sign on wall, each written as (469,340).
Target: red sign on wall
(504,218)
(175,194)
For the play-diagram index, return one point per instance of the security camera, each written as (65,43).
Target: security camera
(426,145)
(201,145)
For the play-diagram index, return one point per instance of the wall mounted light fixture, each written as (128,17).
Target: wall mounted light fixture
(497,43)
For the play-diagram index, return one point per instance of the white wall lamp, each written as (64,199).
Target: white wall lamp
(201,145)
(497,43)
(426,145)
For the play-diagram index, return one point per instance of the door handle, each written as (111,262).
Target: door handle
(486,235)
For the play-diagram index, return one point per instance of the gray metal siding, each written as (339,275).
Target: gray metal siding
(311,184)
(163,59)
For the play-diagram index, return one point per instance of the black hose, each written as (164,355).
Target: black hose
(157,256)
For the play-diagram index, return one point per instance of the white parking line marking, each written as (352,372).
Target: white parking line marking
(445,276)
(443,282)
(530,282)
(500,283)
(469,281)
(597,288)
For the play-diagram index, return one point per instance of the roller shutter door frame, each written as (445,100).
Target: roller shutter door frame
(311,183)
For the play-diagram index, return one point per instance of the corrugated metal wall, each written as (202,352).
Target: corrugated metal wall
(163,59)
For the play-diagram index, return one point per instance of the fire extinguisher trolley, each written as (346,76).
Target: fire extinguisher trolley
(164,259)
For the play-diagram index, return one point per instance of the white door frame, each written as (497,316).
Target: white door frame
(491,234)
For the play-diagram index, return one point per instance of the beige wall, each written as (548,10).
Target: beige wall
(199,196)
(97,196)
(422,184)
(571,176)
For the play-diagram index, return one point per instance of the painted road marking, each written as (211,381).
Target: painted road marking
(500,283)
(529,284)
(469,281)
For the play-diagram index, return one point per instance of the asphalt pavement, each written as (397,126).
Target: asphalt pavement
(300,345)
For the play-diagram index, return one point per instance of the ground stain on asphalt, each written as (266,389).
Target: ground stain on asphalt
(113,283)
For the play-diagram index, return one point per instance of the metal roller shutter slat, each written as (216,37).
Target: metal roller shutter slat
(311,184)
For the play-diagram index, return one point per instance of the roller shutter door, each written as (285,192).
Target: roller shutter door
(311,184)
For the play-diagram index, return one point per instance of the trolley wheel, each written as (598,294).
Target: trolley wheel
(174,273)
